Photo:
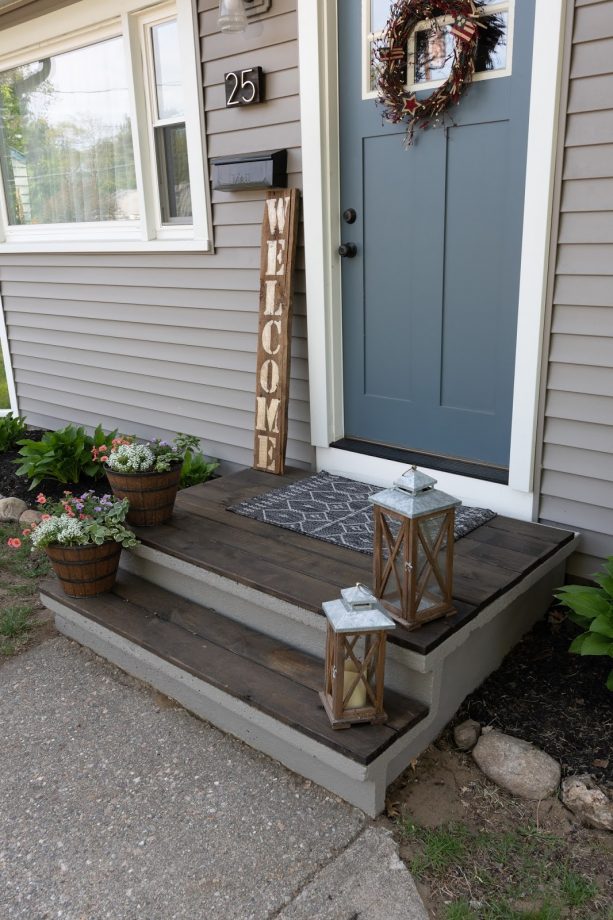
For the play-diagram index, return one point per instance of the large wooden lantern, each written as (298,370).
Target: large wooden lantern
(413,551)
(355,658)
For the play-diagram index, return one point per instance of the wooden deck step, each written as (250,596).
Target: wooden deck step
(304,572)
(269,676)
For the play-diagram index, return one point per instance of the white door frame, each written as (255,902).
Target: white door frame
(317,35)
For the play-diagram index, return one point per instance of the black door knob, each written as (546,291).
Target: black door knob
(347,250)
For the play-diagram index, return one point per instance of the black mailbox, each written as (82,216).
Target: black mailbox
(266,169)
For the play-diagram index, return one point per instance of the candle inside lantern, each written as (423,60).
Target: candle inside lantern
(357,700)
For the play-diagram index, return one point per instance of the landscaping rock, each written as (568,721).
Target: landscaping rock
(588,802)
(466,734)
(30,517)
(517,766)
(11,509)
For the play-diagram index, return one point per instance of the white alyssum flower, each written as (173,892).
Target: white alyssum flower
(131,458)
(64,529)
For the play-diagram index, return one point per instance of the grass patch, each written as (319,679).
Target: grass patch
(16,622)
(20,571)
(20,563)
(520,874)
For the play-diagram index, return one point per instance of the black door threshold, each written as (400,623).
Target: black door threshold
(483,471)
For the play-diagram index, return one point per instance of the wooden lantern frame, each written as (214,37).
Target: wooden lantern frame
(401,566)
(370,670)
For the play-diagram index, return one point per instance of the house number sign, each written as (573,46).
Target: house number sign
(278,257)
(244,87)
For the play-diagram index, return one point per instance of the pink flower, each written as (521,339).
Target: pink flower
(104,459)
(15,542)
(26,533)
(103,449)
(40,499)
(46,517)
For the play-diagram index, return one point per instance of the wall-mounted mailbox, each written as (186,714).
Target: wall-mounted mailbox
(266,169)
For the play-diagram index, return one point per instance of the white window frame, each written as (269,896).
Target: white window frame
(368,36)
(8,366)
(77,26)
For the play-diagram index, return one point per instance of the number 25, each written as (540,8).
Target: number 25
(243,84)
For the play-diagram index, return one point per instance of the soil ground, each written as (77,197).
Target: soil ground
(476,852)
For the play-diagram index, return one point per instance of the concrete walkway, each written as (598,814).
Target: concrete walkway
(117,805)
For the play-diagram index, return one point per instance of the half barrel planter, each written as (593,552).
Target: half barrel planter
(84,571)
(151,495)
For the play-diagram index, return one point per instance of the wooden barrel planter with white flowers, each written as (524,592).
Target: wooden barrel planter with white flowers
(85,571)
(151,495)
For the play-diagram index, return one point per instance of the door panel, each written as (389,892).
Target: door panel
(430,300)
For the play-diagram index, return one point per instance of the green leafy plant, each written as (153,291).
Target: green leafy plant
(64,455)
(11,429)
(592,609)
(196,467)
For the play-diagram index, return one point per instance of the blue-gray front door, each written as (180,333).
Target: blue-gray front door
(430,298)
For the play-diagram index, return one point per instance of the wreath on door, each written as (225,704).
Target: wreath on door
(475,37)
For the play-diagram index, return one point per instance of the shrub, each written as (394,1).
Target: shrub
(11,429)
(64,455)
(592,609)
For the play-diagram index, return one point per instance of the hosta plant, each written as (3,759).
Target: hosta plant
(64,455)
(11,429)
(83,520)
(592,609)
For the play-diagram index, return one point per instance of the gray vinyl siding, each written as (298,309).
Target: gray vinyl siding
(576,479)
(159,343)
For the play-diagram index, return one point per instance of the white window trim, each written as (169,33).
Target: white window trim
(78,25)
(505,6)
(317,32)
(8,365)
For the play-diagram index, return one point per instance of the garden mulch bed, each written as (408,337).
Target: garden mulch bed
(556,700)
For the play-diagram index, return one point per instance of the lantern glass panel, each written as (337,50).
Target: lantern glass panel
(357,671)
(429,533)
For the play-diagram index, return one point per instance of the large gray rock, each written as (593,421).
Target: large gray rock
(11,509)
(588,802)
(30,517)
(517,766)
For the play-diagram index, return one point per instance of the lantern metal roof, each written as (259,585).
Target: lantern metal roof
(414,495)
(357,610)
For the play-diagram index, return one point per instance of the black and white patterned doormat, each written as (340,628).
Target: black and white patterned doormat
(336,510)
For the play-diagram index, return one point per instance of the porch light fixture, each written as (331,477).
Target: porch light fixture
(232,16)
(355,658)
(413,549)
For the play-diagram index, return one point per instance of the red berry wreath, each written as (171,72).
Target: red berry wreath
(470,29)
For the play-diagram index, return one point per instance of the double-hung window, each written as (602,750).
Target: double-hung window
(101,130)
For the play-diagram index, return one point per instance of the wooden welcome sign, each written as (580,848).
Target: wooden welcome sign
(279,232)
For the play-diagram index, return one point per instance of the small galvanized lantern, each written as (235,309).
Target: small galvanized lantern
(413,551)
(355,658)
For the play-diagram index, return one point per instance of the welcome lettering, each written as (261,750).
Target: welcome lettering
(278,255)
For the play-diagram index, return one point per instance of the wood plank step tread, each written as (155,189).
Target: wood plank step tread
(274,678)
